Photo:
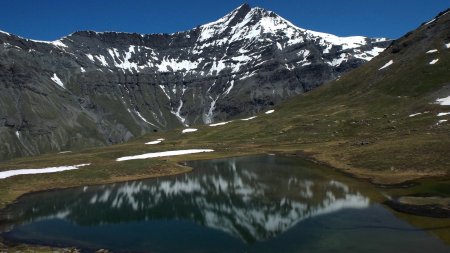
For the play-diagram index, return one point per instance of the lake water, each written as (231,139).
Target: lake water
(247,204)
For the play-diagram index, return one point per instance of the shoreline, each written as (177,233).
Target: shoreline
(353,174)
(358,174)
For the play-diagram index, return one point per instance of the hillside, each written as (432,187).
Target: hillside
(100,88)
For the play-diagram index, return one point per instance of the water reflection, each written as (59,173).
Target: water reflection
(253,199)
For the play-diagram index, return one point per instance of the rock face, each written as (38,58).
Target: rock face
(92,88)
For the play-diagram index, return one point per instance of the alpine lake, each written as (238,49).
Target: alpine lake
(264,203)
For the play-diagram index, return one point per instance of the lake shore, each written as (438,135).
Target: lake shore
(179,161)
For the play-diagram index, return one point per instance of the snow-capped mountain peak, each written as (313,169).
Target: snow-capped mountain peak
(245,23)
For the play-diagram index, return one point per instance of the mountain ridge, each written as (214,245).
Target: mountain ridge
(109,87)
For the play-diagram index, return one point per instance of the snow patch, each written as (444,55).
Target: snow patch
(220,123)
(431,51)
(369,55)
(443,101)
(279,46)
(5,33)
(434,61)
(163,154)
(431,21)
(102,60)
(175,65)
(58,43)
(443,114)
(11,173)
(177,113)
(247,119)
(209,116)
(90,57)
(336,62)
(229,88)
(389,63)
(164,91)
(143,119)
(189,130)
(447,45)
(58,81)
(414,114)
(269,111)
(153,142)
(124,64)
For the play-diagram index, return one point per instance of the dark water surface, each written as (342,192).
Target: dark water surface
(247,204)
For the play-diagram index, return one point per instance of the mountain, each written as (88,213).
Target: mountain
(387,120)
(90,88)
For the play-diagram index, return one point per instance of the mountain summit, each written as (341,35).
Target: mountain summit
(107,87)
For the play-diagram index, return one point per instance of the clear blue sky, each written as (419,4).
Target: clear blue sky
(51,19)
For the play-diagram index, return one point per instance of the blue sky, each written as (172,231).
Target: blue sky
(51,19)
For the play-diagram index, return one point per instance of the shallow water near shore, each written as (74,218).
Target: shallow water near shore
(245,204)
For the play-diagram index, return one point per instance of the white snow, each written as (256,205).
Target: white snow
(65,152)
(432,51)
(447,45)
(164,91)
(434,61)
(91,57)
(229,88)
(441,121)
(17,134)
(443,114)
(82,70)
(144,119)
(268,22)
(163,154)
(177,113)
(125,63)
(269,111)
(102,60)
(58,81)
(11,173)
(5,33)
(175,65)
(153,142)
(220,124)
(208,118)
(431,21)
(415,114)
(337,61)
(189,130)
(58,43)
(369,55)
(345,42)
(389,63)
(443,101)
(247,119)
(279,46)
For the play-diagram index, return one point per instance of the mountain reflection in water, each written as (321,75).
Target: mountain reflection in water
(246,204)
(250,202)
